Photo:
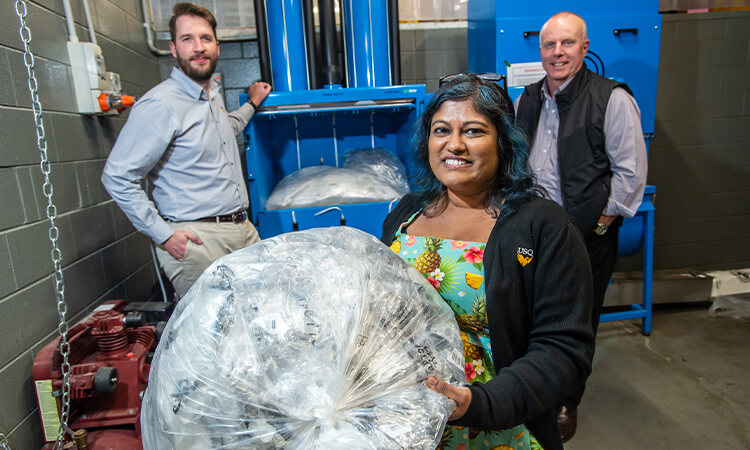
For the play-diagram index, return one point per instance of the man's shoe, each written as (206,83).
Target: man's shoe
(567,420)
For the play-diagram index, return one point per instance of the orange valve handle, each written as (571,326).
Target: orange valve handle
(127,101)
(104,102)
(109,101)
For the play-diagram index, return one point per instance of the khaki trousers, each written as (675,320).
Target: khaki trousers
(219,239)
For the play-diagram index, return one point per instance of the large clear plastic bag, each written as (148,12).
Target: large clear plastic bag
(380,162)
(316,339)
(368,175)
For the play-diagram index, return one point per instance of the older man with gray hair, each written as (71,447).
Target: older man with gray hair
(587,152)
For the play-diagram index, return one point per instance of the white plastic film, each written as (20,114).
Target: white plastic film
(369,175)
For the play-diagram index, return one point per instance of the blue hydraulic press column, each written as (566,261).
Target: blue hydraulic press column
(286,45)
(367,40)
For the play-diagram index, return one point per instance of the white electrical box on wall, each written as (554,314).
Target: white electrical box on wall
(97,91)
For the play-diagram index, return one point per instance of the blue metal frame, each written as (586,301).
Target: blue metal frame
(642,310)
(294,130)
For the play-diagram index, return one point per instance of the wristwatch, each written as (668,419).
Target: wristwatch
(601,229)
(255,107)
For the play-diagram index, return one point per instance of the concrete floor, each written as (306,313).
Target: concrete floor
(687,386)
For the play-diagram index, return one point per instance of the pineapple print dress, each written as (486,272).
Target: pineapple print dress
(456,270)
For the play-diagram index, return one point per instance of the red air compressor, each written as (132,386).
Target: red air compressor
(110,357)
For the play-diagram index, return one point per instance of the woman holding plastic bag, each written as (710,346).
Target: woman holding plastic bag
(511,265)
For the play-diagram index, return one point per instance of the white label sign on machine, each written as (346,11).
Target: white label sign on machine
(522,74)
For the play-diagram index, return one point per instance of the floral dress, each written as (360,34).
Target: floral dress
(456,270)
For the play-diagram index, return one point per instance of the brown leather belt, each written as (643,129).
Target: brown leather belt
(233,218)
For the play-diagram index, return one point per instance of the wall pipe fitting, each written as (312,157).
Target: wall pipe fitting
(72,35)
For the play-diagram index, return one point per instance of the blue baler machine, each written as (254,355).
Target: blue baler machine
(300,126)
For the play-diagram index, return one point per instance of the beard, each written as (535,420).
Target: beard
(195,73)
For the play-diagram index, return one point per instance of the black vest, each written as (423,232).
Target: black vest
(581,157)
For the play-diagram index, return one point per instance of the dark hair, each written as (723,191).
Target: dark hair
(190,9)
(514,182)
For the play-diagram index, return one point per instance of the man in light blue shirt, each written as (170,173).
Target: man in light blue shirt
(180,136)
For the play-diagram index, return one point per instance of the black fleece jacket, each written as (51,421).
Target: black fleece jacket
(538,290)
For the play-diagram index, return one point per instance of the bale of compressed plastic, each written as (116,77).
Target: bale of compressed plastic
(316,339)
(380,162)
(368,175)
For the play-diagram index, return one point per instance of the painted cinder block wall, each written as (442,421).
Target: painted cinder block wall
(103,256)
(700,157)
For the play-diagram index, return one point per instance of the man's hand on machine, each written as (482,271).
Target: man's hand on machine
(177,243)
(258,92)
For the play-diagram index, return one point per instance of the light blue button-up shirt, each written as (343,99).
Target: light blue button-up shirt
(184,142)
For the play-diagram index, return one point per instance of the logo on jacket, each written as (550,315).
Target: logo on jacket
(524,255)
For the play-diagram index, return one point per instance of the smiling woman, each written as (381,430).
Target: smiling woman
(510,264)
(462,148)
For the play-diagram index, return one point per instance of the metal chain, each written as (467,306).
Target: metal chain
(41,141)
(4,442)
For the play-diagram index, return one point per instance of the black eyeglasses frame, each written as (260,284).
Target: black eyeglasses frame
(487,76)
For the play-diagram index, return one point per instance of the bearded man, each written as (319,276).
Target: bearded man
(181,138)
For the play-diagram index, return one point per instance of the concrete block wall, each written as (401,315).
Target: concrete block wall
(429,53)
(699,159)
(102,255)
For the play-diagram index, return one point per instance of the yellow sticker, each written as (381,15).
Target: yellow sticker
(48,409)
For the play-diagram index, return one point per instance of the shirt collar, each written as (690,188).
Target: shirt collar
(193,89)
(545,91)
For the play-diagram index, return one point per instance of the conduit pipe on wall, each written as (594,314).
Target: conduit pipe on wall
(70,22)
(146,7)
(72,35)
(89,22)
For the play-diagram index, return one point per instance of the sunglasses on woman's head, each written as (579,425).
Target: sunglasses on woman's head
(483,76)
(493,77)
